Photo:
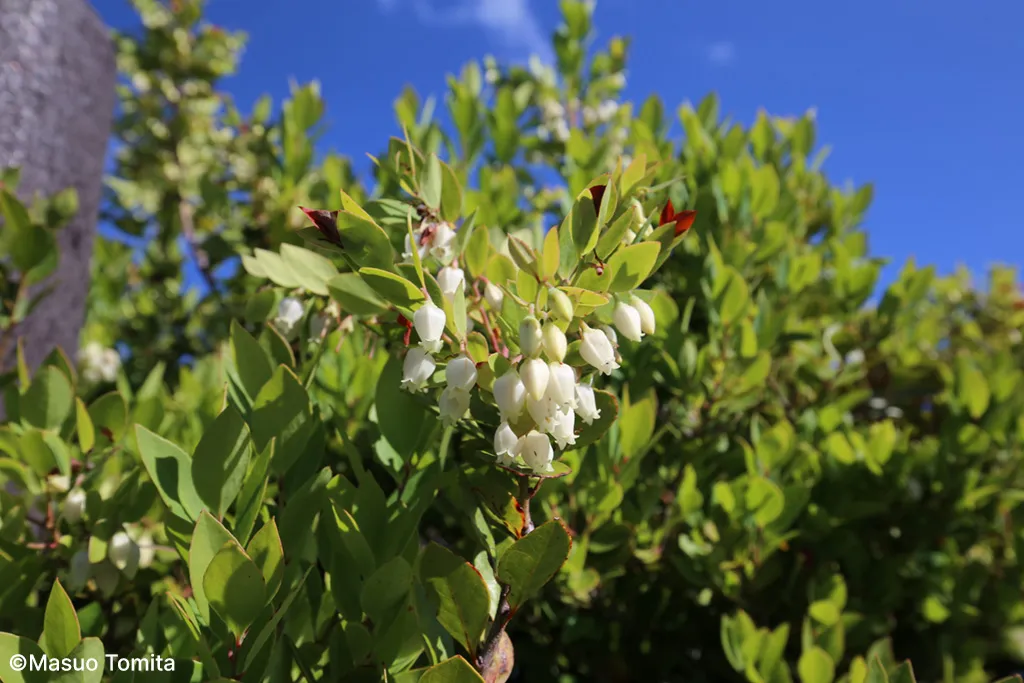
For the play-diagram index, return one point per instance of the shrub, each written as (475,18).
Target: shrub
(782,480)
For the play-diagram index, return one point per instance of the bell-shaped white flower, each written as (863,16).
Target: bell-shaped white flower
(421,246)
(597,350)
(647,321)
(461,373)
(610,333)
(442,242)
(453,405)
(586,404)
(289,313)
(74,505)
(510,395)
(121,550)
(627,321)
(535,374)
(505,441)
(563,429)
(417,369)
(449,278)
(429,322)
(562,386)
(530,337)
(554,343)
(542,412)
(537,452)
(495,297)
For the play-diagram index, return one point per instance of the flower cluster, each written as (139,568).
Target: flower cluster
(99,364)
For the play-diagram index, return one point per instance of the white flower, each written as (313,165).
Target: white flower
(627,321)
(610,333)
(607,110)
(429,323)
(461,373)
(441,243)
(561,130)
(510,395)
(597,350)
(542,411)
(554,343)
(530,337)
(449,278)
(535,375)
(562,386)
(99,364)
(589,115)
(421,247)
(537,452)
(855,357)
(289,313)
(453,405)
(586,404)
(494,296)
(417,370)
(552,109)
(74,506)
(629,237)
(491,76)
(647,322)
(564,429)
(121,549)
(505,441)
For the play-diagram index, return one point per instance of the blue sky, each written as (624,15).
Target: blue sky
(921,97)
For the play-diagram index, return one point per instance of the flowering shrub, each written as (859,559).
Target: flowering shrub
(641,423)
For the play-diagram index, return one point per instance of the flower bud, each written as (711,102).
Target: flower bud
(535,376)
(562,386)
(530,337)
(647,321)
(417,370)
(638,218)
(289,313)
(560,304)
(429,322)
(74,506)
(597,350)
(537,452)
(586,404)
(122,550)
(627,321)
(453,405)
(461,373)
(448,279)
(554,343)
(563,429)
(441,242)
(510,395)
(505,441)
(494,296)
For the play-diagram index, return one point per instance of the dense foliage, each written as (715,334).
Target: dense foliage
(647,422)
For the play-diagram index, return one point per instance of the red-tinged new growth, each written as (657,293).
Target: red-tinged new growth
(326,222)
(683,219)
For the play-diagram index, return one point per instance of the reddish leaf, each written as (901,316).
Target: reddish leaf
(683,219)
(326,223)
(597,193)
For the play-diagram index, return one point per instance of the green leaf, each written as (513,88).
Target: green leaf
(221,460)
(732,296)
(459,592)
(251,362)
(273,267)
(208,537)
(608,405)
(109,413)
(454,670)
(765,500)
(392,287)
(267,553)
(451,195)
(90,649)
(824,612)
(365,242)
(431,182)
(402,419)
(84,427)
(311,269)
(11,646)
(533,560)
(48,400)
(61,631)
(234,586)
(170,468)
(636,425)
(764,183)
(876,670)
(282,410)
(815,666)
(584,228)
(523,255)
(354,295)
(631,265)
(904,673)
(28,244)
(972,388)
(385,589)
(551,257)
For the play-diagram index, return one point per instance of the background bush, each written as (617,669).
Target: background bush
(801,476)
